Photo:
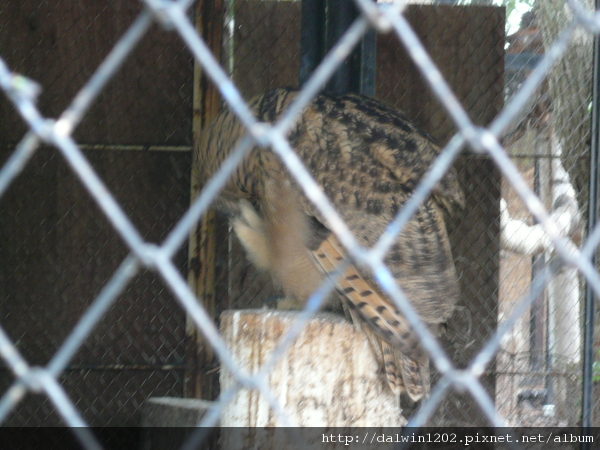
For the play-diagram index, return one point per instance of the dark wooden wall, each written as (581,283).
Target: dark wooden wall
(57,250)
(266,45)
(60,45)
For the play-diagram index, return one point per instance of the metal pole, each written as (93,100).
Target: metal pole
(588,331)
(340,15)
(324,22)
(368,61)
(312,37)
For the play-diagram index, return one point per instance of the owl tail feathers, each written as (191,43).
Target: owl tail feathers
(404,374)
(362,297)
(415,375)
(392,368)
(404,363)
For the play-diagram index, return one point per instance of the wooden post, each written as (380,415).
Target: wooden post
(198,382)
(327,378)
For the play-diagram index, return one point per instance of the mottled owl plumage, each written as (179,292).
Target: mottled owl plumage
(367,158)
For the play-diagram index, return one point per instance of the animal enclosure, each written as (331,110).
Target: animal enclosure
(94,320)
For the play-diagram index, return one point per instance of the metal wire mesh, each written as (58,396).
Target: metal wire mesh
(503,140)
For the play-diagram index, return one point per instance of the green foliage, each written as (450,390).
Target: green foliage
(596,369)
(514,10)
(513,5)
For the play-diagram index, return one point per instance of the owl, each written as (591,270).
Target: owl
(367,158)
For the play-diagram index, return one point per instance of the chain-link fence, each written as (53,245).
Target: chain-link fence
(97,315)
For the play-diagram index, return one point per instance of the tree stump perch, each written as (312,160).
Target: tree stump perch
(327,378)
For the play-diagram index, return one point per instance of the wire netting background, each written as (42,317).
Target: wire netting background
(58,249)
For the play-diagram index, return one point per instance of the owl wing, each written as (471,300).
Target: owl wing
(368,159)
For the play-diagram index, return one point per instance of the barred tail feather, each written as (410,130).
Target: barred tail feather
(382,317)
(405,365)
(415,374)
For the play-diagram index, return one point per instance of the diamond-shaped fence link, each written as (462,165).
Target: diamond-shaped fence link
(520,145)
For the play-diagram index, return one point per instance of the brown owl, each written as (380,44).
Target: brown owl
(367,158)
